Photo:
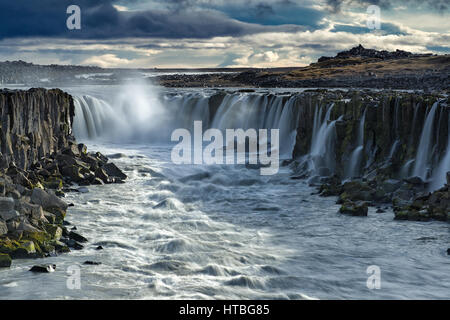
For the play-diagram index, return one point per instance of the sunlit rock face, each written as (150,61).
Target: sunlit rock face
(34,124)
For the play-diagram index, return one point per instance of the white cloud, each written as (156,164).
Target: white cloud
(120,8)
(106,61)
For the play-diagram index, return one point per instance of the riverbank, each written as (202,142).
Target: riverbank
(40,161)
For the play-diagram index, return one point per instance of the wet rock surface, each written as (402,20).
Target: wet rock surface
(43,268)
(40,161)
(379,148)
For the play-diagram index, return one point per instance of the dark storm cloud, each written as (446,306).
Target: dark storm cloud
(275,13)
(177,20)
(101,20)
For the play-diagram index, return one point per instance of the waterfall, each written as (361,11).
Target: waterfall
(406,169)
(440,173)
(140,115)
(425,144)
(393,149)
(322,143)
(353,168)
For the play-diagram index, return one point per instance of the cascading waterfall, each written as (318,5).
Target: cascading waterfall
(138,114)
(440,173)
(322,143)
(425,145)
(141,115)
(356,156)
(393,149)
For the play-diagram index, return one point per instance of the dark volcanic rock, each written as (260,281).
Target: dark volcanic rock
(39,158)
(77,237)
(43,268)
(114,172)
(360,51)
(354,208)
(49,111)
(5,260)
(393,125)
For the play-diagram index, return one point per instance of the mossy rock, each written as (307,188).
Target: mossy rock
(47,248)
(38,185)
(7,246)
(51,218)
(5,260)
(440,214)
(401,215)
(18,249)
(59,246)
(354,209)
(412,215)
(39,239)
(59,213)
(54,231)
(26,249)
(53,183)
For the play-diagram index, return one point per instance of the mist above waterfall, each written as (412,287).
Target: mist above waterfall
(133,113)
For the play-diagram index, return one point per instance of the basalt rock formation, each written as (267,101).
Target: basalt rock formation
(360,51)
(377,147)
(40,160)
(34,124)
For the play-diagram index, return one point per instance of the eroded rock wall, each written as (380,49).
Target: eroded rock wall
(34,124)
(392,128)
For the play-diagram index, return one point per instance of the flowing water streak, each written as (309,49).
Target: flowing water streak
(356,156)
(426,142)
(393,149)
(440,173)
(322,143)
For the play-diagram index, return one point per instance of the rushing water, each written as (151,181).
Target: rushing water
(425,145)
(222,231)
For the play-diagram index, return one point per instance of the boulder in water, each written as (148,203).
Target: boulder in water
(354,208)
(5,260)
(113,171)
(415,181)
(77,237)
(43,268)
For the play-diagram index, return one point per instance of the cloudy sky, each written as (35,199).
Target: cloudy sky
(214,33)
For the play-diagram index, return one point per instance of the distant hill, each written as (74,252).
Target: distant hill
(362,52)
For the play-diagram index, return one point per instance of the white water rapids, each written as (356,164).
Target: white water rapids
(222,231)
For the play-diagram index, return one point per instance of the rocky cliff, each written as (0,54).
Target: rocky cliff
(34,124)
(377,147)
(40,160)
